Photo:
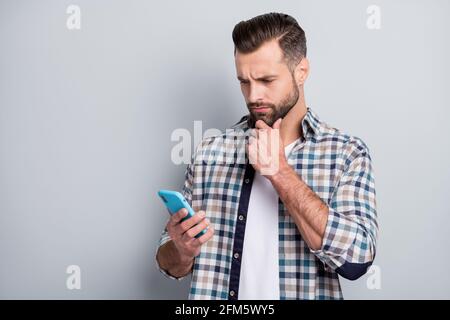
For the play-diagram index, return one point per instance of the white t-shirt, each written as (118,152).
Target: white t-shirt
(259,278)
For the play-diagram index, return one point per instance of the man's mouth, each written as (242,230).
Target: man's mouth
(261,109)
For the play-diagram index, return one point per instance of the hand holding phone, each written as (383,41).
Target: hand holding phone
(174,202)
(187,229)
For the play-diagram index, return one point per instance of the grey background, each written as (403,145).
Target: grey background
(86,118)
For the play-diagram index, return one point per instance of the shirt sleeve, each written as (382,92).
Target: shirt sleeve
(186,191)
(349,242)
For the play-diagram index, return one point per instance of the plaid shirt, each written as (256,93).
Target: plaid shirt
(336,166)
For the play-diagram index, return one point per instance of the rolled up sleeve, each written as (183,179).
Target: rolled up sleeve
(349,242)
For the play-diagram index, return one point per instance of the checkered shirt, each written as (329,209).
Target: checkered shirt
(335,165)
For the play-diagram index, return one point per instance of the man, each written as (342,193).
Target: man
(274,234)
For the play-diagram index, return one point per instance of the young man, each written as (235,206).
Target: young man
(287,233)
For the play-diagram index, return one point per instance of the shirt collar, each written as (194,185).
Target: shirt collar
(310,123)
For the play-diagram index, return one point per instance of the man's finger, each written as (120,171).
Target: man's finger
(176,218)
(253,133)
(192,232)
(261,125)
(187,224)
(208,235)
(252,151)
(277,124)
(263,153)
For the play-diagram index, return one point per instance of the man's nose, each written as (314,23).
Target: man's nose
(256,93)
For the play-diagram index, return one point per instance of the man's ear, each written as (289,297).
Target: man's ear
(302,71)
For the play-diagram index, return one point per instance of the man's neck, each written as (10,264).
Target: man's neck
(290,127)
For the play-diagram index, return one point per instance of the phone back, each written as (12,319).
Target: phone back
(175,201)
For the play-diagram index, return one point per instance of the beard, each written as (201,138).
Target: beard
(276,111)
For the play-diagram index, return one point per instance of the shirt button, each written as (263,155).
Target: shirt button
(236,255)
(247,180)
(232,293)
(241,217)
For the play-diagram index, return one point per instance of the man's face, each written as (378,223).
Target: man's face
(268,86)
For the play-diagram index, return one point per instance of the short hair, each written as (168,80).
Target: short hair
(249,35)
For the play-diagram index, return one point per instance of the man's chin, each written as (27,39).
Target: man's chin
(266,117)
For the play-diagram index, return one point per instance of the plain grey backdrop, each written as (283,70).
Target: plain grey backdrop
(86,118)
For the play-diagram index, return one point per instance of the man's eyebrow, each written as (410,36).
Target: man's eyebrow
(269,76)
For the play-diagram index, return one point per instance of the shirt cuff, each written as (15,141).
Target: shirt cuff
(330,259)
(164,239)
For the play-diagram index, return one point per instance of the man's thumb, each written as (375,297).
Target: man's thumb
(277,124)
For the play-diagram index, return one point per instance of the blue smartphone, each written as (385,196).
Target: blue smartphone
(174,202)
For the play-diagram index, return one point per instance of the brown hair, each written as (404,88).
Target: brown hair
(249,35)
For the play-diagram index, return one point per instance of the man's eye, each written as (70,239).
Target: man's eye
(267,80)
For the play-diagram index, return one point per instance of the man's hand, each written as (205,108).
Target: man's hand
(266,149)
(183,233)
